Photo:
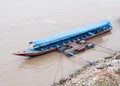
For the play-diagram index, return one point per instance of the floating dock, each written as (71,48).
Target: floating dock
(75,47)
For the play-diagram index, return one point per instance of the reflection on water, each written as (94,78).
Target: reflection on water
(24,21)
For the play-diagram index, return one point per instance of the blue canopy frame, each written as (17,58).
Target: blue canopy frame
(71,33)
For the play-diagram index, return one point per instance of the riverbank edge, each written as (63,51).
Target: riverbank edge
(106,72)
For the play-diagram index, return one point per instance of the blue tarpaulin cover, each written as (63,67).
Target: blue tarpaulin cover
(70,33)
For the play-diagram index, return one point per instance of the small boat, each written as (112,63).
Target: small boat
(53,43)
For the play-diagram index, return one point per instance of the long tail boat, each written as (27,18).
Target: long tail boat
(52,43)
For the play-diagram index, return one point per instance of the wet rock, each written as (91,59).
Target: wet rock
(72,75)
(117,57)
(88,75)
(108,57)
(97,61)
(117,71)
(55,84)
(109,65)
(101,66)
(77,72)
(62,81)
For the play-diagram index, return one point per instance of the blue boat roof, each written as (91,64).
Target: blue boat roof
(68,34)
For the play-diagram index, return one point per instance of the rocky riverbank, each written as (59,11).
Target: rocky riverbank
(106,72)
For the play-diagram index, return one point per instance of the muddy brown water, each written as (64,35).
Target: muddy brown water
(24,20)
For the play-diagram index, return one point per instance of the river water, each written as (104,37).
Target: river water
(22,21)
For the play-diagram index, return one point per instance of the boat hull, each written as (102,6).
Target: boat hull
(23,53)
(34,54)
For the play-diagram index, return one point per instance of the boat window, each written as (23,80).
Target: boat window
(93,32)
(83,36)
(42,49)
(38,48)
(105,28)
(80,38)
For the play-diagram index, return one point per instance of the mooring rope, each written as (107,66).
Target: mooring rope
(72,62)
(104,47)
(61,68)
(89,62)
(103,51)
(57,69)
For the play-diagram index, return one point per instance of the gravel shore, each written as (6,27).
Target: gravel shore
(106,72)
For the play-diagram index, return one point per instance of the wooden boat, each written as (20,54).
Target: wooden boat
(52,43)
